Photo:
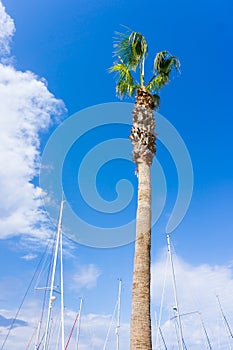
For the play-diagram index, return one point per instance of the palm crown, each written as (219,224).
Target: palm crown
(131,50)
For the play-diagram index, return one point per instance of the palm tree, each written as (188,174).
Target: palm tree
(131,51)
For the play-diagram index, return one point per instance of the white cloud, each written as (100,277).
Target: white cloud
(21,334)
(27,108)
(93,329)
(7,29)
(29,256)
(197,287)
(86,277)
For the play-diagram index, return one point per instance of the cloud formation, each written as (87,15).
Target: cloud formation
(197,287)
(93,330)
(7,322)
(29,256)
(86,277)
(27,108)
(7,29)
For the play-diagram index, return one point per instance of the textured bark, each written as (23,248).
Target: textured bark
(142,133)
(140,337)
(143,140)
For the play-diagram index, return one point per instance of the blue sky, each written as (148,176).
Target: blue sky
(54,62)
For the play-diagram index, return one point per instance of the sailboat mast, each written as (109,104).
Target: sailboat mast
(72,330)
(205,332)
(118,314)
(62,286)
(37,336)
(228,328)
(160,331)
(79,322)
(51,297)
(180,331)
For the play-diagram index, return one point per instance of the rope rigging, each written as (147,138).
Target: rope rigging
(23,299)
(159,332)
(45,294)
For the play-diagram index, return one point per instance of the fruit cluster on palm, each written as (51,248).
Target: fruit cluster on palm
(131,51)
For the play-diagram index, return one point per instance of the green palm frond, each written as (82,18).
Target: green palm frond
(157,82)
(126,85)
(156,100)
(131,48)
(122,89)
(123,72)
(164,62)
(131,51)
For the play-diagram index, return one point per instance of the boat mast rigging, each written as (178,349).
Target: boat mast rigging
(227,326)
(52,298)
(118,314)
(116,309)
(176,307)
(79,323)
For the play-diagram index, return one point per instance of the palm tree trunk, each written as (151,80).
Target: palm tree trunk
(140,337)
(143,140)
